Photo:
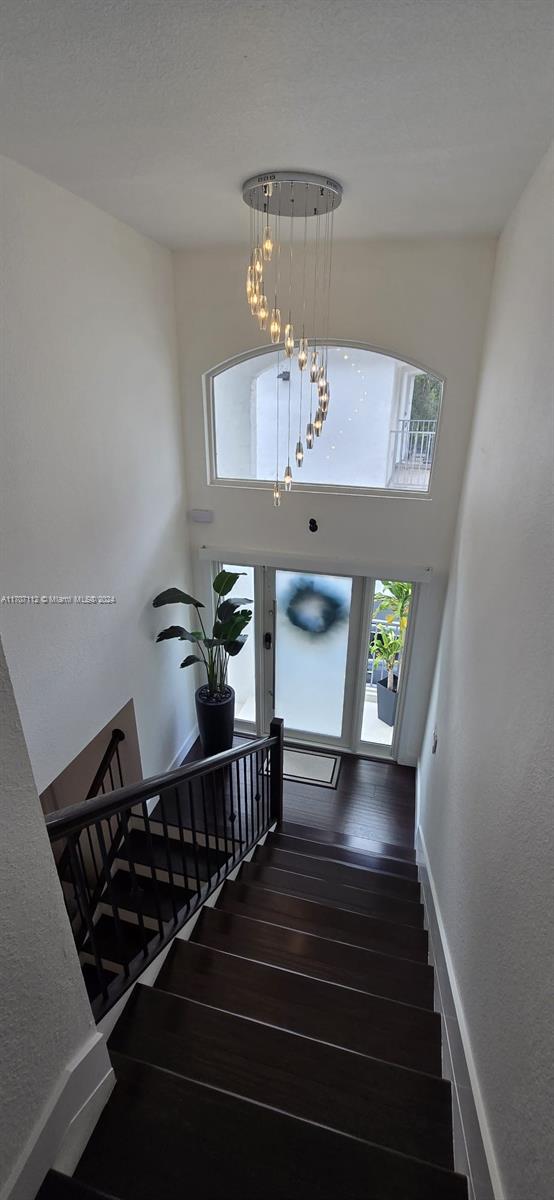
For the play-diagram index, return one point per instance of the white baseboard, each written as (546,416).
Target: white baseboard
(473,1147)
(66,1121)
(184,749)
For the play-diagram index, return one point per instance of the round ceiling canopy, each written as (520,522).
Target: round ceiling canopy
(292,193)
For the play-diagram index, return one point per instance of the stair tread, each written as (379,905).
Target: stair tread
(368,1098)
(354,1020)
(321,868)
(315,916)
(138,847)
(92,979)
(138,894)
(64,1187)
(357,858)
(379,974)
(348,840)
(390,908)
(114,949)
(158,1127)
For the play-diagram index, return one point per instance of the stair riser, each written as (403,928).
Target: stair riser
(371,1100)
(366,971)
(383,885)
(214,1143)
(386,908)
(157,829)
(131,917)
(307,915)
(353,858)
(179,880)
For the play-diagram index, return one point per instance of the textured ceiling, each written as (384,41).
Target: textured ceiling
(433,113)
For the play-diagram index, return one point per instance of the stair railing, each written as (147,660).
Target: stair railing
(146,856)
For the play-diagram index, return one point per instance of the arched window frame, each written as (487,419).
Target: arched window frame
(408,366)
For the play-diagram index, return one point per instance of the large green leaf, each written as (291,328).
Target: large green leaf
(175,596)
(190,659)
(229,630)
(225,581)
(227,607)
(178,631)
(233,647)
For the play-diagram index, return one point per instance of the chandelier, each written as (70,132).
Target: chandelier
(288,287)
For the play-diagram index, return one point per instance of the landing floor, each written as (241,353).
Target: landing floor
(372,800)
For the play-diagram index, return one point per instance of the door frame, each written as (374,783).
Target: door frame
(363,587)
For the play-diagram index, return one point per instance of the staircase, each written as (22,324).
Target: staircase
(289,1049)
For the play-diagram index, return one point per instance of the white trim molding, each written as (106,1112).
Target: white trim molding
(184,749)
(66,1122)
(474,1154)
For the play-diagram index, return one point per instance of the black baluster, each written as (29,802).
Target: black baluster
(148,831)
(111,896)
(168,856)
(183,844)
(206,829)
(194,839)
(246,829)
(78,874)
(232,813)
(216,823)
(118,759)
(237,778)
(124,832)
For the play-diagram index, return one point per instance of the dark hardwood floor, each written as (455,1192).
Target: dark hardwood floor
(374,800)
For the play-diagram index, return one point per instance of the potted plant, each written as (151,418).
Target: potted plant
(386,644)
(215,699)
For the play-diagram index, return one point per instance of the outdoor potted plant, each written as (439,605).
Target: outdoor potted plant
(387,642)
(215,699)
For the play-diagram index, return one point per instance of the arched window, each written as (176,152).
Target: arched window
(379,434)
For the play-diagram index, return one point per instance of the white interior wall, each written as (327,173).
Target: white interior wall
(92,474)
(486,797)
(39,969)
(422,299)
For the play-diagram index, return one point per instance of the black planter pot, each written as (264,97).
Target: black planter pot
(386,701)
(216,721)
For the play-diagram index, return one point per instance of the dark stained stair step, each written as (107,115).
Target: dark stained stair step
(320,868)
(119,942)
(142,894)
(293,883)
(92,979)
(170,854)
(314,916)
(394,1032)
(321,958)
(357,858)
(376,1101)
(348,840)
(63,1187)
(161,1135)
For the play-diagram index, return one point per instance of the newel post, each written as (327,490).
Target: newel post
(276,730)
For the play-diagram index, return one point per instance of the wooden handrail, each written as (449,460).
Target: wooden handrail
(78,816)
(117,736)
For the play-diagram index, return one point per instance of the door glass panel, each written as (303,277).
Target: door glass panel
(388,628)
(311,642)
(242,667)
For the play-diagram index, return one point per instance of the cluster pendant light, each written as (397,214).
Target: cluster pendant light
(296,275)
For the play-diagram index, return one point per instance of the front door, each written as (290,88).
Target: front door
(314,657)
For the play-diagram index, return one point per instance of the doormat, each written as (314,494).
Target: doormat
(307,766)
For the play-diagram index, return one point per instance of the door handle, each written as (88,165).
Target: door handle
(267,641)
